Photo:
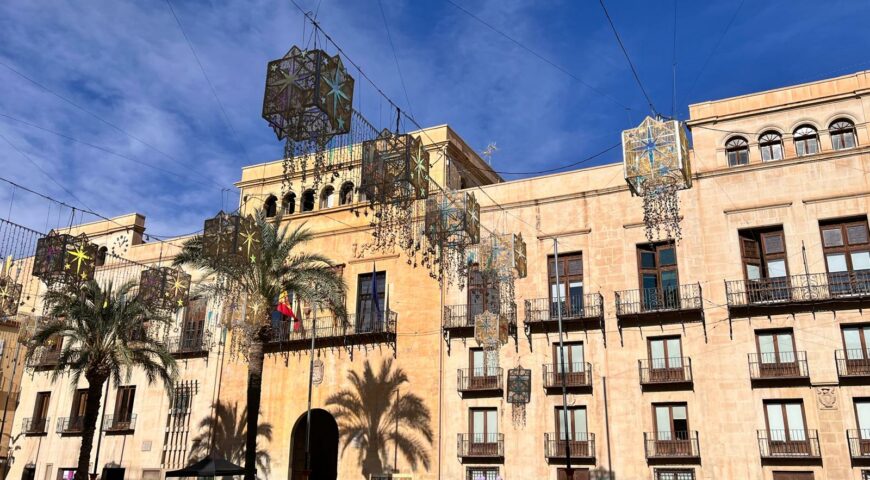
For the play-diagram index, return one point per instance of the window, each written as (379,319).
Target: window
(856,342)
(865,474)
(40,411)
(124,407)
(660,286)
(806,140)
(270,206)
(370,302)
(770,144)
(308,200)
(765,264)
(665,359)
(793,476)
(482,295)
(289,203)
(776,353)
(847,256)
(572,355)
(345,195)
(77,414)
(327,197)
(737,151)
(842,134)
(862,420)
(193,325)
(576,426)
(483,426)
(570,281)
(483,368)
(675,474)
(671,422)
(481,473)
(785,426)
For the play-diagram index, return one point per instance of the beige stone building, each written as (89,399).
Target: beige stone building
(739,352)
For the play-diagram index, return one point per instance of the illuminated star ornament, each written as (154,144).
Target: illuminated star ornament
(64,258)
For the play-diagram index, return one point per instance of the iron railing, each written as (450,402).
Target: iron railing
(188,344)
(576,307)
(490,445)
(329,327)
(789,444)
(667,444)
(767,366)
(45,358)
(581,445)
(665,370)
(35,425)
(653,300)
(462,316)
(853,362)
(479,379)
(124,423)
(803,288)
(577,374)
(859,443)
(67,425)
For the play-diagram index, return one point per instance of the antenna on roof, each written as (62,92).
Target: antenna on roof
(488,151)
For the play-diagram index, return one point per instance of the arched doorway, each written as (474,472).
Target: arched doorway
(324,447)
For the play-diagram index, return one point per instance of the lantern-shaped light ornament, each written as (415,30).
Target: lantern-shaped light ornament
(309,96)
(65,258)
(27,329)
(490,330)
(445,220)
(519,256)
(232,237)
(395,169)
(10,296)
(519,385)
(472,219)
(165,288)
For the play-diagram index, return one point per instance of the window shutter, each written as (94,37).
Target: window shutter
(857,234)
(773,243)
(832,237)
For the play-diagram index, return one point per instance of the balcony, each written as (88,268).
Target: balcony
(119,424)
(784,367)
(458,320)
(70,425)
(579,314)
(478,382)
(478,446)
(577,376)
(859,444)
(665,372)
(188,346)
(796,293)
(683,303)
(853,364)
(35,426)
(581,448)
(789,444)
(672,447)
(44,359)
(329,331)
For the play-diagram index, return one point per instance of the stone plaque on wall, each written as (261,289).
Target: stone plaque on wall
(827,398)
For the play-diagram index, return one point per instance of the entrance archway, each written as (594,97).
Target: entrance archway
(324,447)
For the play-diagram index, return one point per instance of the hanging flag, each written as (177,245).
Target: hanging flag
(284,308)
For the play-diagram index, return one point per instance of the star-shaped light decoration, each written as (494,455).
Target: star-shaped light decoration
(520,261)
(10,296)
(64,258)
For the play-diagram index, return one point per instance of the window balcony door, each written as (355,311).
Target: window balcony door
(672,436)
(862,416)
(786,429)
(847,257)
(484,432)
(765,265)
(776,354)
(574,433)
(666,360)
(571,359)
(856,342)
(484,369)
(659,281)
(568,290)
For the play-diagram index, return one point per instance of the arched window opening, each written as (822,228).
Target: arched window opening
(288,204)
(737,151)
(345,195)
(842,134)
(770,144)
(308,200)
(271,206)
(327,197)
(101,256)
(806,140)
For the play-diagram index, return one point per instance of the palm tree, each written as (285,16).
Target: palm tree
(100,330)
(278,268)
(223,434)
(372,414)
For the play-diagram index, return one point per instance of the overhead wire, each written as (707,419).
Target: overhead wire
(627,57)
(715,47)
(395,56)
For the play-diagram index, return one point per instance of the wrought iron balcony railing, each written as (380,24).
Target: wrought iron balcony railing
(853,363)
(462,316)
(667,444)
(124,423)
(577,374)
(35,425)
(659,371)
(45,358)
(789,444)
(784,365)
(327,327)
(805,288)
(70,425)
(656,300)
(580,307)
(490,445)
(859,443)
(580,446)
(190,345)
(480,379)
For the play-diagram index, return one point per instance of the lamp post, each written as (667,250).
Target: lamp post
(307,472)
(569,472)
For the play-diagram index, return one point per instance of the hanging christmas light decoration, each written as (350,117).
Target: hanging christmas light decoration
(519,393)
(164,288)
(519,258)
(64,258)
(231,237)
(451,224)
(656,167)
(308,100)
(491,330)
(10,296)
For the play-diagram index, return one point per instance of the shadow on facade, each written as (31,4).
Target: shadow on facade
(229,427)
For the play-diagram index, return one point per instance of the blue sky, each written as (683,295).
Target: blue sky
(128,64)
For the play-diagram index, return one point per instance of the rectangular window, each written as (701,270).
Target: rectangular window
(193,325)
(793,476)
(576,427)
(481,473)
(370,305)
(675,474)
(856,342)
(776,353)
(124,405)
(569,288)
(483,423)
(786,427)
(665,359)
(862,420)
(483,368)
(80,401)
(40,408)
(671,421)
(578,474)
(846,246)
(572,355)
(765,264)
(657,270)
(482,295)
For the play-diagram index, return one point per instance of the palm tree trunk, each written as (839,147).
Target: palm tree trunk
(89,423)
(255,383)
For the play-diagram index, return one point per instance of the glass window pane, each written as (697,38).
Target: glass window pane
(647,259)
(557,291)
(862,411)
(580,423)
(860,260)
(674,349)
(669,280)
(559,359)
(852,340)
(866,332)
(776,268)
(667,256)
(786,348)
(663,423)
(753,272)
(680,412)
(773,244)
(563,431)
(795,415)
(765,347)
(477,419)
(491,422)
(775,422)
(857,234)
(836,262)
(650,281)
(777,151)
(832,237)
(576,354)
(477,358)
(657,349)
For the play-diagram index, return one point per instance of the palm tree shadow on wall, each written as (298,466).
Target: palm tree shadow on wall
(370,416)
(229,428)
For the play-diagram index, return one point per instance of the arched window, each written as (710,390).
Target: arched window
(842,134)
(271,206)
(289,203)
(327,197)
(101,256)
(345,195)
(770,144)
(308,200)
(806,140)
(737,151)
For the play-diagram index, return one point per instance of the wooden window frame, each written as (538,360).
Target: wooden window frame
(481,295)
(566,277)
(766,143)
(572,427)
(40,407)
(124,397)
(865,355)
(776,333)
(738,147)
(840,132)
(570,361)
(193,324)
(847,249)
(366,316)
(782,402)
(670,406)
(803,139)
(664,340)
(79,404)
(660,473)
(669,300)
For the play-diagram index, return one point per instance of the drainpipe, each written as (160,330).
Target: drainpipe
(607,426)
(569,471)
